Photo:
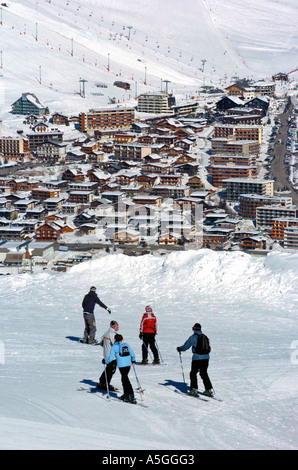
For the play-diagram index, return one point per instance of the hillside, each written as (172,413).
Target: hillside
(246,305)
(48,46)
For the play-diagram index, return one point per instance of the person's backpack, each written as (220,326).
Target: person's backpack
(203,345)
(124,351)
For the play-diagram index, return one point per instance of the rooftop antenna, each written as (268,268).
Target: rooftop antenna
(203,64)
(82,87)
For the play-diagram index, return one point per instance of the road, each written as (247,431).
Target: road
(279,169)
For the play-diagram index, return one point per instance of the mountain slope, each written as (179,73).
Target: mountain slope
(57,42)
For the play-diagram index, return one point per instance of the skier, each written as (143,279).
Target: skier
(125,357)
(148,330)
(200,360)
(107,341)
(88,305)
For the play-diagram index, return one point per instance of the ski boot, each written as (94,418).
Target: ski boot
(194,392)
(209,393)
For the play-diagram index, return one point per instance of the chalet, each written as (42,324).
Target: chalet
(72,175)
(126,177)
(38,213)
(253,243)
(53,203)
(84,186)
(242,90)
(40,126)
(157,168)
(23,205)
(44,193)
(48,231)
(190,168)
(88,229)
(259,102)
(147,200)
(81,197)
(195,182)
(170,238)
(147,181)
(28,103)
(85,217)
(127,236)
(167,191)
(60,119)
(9,213)
(229,102)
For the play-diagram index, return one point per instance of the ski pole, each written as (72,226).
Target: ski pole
(182,371)
(158,350)
(107,382)
(138,382)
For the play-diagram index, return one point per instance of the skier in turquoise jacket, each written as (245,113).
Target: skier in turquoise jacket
(125,357)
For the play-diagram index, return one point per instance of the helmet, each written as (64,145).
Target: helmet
(92,289)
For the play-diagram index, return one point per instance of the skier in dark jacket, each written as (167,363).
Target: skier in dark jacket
(200,361)
(88,305)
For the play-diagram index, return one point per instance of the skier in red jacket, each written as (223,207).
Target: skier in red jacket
(148,330)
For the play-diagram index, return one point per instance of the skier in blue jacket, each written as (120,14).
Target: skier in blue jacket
(200,360)
(125,357)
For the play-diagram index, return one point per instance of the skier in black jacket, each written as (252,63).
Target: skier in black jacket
(88,305)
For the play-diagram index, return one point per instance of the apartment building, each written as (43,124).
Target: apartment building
(291,238)
(219,173)
(131,151)
(13,148)
(156,103)
(234,147)
(250,202)
(239,132)
(265,214)
(238,186)
(36,139)
(111,118)
(280,225)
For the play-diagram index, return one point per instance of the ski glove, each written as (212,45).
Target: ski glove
(178,349)
(109,310)
(103,361)
(141,335)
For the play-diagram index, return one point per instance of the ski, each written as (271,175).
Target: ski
(150,364)
(130,403)
(198,397)
(213,398)
(96,343)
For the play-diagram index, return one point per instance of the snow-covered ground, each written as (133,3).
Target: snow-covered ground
(247,306)
(48,46)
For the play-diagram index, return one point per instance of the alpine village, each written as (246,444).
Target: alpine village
(216,171)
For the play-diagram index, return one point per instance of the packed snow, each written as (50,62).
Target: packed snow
(247,306)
